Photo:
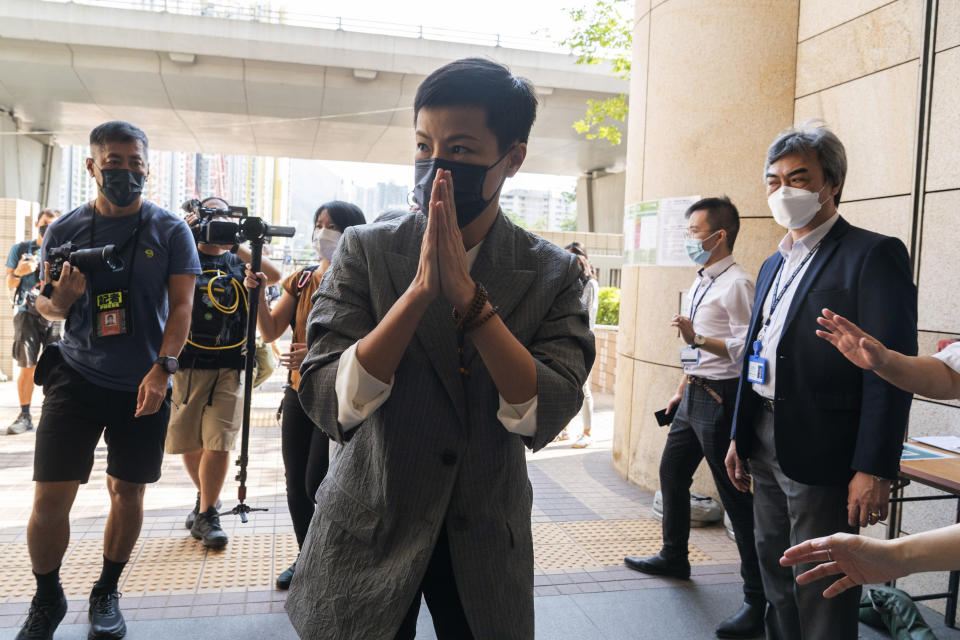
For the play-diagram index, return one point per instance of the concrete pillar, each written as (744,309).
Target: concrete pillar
(600,202)
(712,85)
(29,165)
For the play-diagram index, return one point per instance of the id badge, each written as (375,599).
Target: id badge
(111,313)
(757,366)
(690,355)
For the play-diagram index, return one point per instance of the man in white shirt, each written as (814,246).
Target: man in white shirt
(821,436)
(714,330)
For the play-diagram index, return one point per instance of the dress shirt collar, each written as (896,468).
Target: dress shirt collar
(472,254)
(809,241)
(714,270)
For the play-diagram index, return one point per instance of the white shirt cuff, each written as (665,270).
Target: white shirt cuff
(359,394)
(520,419)
(950,356)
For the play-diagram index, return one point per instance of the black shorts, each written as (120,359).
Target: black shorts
(75,412)
(30,335)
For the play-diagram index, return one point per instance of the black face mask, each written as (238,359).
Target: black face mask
(122,187)
(468,182)
(42,229)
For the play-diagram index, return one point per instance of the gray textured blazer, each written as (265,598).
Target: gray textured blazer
(434,452)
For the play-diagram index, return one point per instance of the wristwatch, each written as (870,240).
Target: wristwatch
(168,364)
(699,340)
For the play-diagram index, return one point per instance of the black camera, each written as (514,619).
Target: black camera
(211,228)
(86,260)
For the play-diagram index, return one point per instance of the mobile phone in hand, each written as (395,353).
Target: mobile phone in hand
(664,418)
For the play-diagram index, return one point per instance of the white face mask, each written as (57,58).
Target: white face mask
(325,242)
(794,208)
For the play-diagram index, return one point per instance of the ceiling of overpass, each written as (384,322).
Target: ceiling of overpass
(218,88)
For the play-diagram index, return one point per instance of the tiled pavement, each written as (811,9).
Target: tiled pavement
(585,519)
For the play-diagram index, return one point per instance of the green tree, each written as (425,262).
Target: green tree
(604,33)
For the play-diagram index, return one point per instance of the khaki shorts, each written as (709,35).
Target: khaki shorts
(206,410)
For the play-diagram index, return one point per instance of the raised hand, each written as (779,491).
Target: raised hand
(856,345)
(859,559)
(685,327)
(456,285)
(427,280)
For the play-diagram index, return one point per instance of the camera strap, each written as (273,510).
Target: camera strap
(112,309)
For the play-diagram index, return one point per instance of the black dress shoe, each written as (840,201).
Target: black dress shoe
(746,623)
(106,620)
(658,565)
(43,619)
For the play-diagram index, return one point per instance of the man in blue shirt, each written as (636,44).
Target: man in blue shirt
(31,331)
(124,327)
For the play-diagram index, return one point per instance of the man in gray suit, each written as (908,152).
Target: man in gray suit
(440,345)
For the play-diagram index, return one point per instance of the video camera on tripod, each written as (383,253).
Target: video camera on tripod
(104,258)
(211,228)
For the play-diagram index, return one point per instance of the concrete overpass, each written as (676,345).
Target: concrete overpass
(221,85)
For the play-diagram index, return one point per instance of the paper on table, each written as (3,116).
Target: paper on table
(947,443)
(911,453)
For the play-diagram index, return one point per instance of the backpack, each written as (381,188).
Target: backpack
(218,320)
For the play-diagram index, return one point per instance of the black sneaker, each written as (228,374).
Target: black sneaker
(106,620)
(207,528)
(43,619)
(196,509)
(285,578)
(22,424)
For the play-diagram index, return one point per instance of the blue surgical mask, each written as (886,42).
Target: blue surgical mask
(695,250)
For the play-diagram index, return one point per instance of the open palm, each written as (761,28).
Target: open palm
(859,559)
(854,343)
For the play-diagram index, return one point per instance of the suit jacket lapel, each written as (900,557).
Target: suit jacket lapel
(436,329)
(506,273)
(830,243)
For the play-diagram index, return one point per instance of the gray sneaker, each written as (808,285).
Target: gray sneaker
(22,424)
(207,529)
(196,509)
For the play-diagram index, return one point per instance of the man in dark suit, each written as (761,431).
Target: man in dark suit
(822,437)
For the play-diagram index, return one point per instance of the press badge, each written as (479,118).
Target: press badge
(690,355)
(111,314)
(757,366)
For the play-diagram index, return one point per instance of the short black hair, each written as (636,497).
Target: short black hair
(343,214)
(508,100)
(721,214)
(217,198)
(117,131)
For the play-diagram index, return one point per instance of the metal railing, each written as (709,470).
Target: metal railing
(267,14)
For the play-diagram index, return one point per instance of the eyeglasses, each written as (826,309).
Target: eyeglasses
(691,235)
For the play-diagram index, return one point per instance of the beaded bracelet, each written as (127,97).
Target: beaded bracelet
(476,306)
(479,323)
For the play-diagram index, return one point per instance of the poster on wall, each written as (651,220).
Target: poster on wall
(640,233)
(671,224)
(653,232)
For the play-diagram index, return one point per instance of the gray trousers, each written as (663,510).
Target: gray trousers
(786,513)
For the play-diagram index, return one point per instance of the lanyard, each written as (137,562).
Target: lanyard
(778,293)
(695,307)
(135,237)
